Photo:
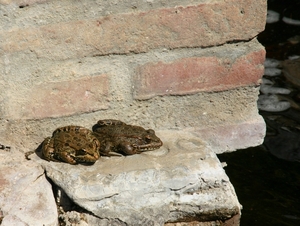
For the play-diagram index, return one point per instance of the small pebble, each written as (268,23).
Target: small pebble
(294,40)
(294,57)
(267,81)
(269,62)
(271,71)
(291,21)
(267,89)
(272,17)
(271,103)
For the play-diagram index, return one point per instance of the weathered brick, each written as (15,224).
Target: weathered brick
(66,98)
(196,74)
(207,24)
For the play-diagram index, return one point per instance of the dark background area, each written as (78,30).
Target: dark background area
(269,187)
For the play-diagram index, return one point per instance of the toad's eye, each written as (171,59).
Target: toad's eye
(148,138)
(151,131)
(81,152)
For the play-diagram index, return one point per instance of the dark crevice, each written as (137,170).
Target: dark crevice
(23,6)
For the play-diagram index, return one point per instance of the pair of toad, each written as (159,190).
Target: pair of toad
(75,144)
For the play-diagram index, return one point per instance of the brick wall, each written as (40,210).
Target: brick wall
(160,64)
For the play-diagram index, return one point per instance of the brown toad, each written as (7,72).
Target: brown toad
(71,144)
(117,138)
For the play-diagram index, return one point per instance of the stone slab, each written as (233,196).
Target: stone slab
(233,136)
(26,196)
(182,181)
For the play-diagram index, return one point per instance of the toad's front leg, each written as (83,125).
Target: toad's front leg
(128,148)
(67,157)
(48,151)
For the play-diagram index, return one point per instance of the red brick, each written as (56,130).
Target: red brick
(207,24)
(196,74)
(66,98)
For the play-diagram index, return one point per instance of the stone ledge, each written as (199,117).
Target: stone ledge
(233,136)
(235,220)
(26,196)
(182,181)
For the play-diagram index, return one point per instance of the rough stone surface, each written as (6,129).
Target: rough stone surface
(41,88)
(204,111)
(84,219)
(75,62)
(234,221)
(26,196)
(66,62)
(234,136)
(181,181)
(21,3)
(190,26)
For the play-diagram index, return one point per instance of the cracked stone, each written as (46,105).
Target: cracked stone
(26,196)
(182,181)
